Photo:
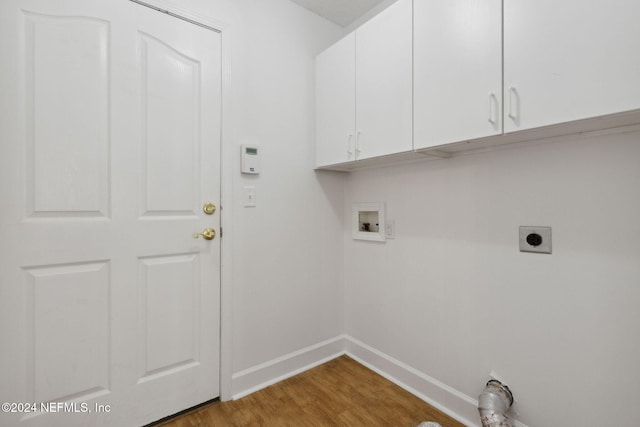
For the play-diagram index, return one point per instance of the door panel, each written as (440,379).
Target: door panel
(169,317)
(170,111)
(110,147)
(70,136)
(68,302)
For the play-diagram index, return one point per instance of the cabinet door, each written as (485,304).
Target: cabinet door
(383,83)
(457,70)
(568,60)
(335,103)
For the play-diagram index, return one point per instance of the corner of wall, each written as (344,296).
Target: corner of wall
(265,374)
(439,395)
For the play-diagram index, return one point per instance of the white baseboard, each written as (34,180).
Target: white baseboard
(441,396)
(265,374)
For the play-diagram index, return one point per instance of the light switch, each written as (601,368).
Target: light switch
(249,196)
(390,229)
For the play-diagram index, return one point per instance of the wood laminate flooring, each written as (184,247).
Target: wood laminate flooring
(341,392)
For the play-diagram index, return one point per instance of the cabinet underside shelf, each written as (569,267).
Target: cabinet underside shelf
(610,123)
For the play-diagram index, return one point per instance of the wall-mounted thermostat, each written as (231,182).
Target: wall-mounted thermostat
(250,159)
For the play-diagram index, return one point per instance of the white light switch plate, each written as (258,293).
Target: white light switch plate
(249,196)
(390,229)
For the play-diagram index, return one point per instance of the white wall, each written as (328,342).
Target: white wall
(453,297)
(287,252)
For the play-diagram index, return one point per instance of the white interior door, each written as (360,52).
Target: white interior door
(110,144)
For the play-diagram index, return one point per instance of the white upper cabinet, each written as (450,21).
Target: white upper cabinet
(384,83)
(364,90)
(457,70)
(569,60)
(336,103)
(432,73)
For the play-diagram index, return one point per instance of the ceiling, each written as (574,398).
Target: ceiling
(341,12)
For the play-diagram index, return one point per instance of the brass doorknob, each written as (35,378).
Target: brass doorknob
(209,208)
(207,234)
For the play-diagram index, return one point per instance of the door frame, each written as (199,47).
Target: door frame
(226,185)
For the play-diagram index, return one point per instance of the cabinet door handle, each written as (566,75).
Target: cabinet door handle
(513,101)
(349,151)
(358,144)
(493,108)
